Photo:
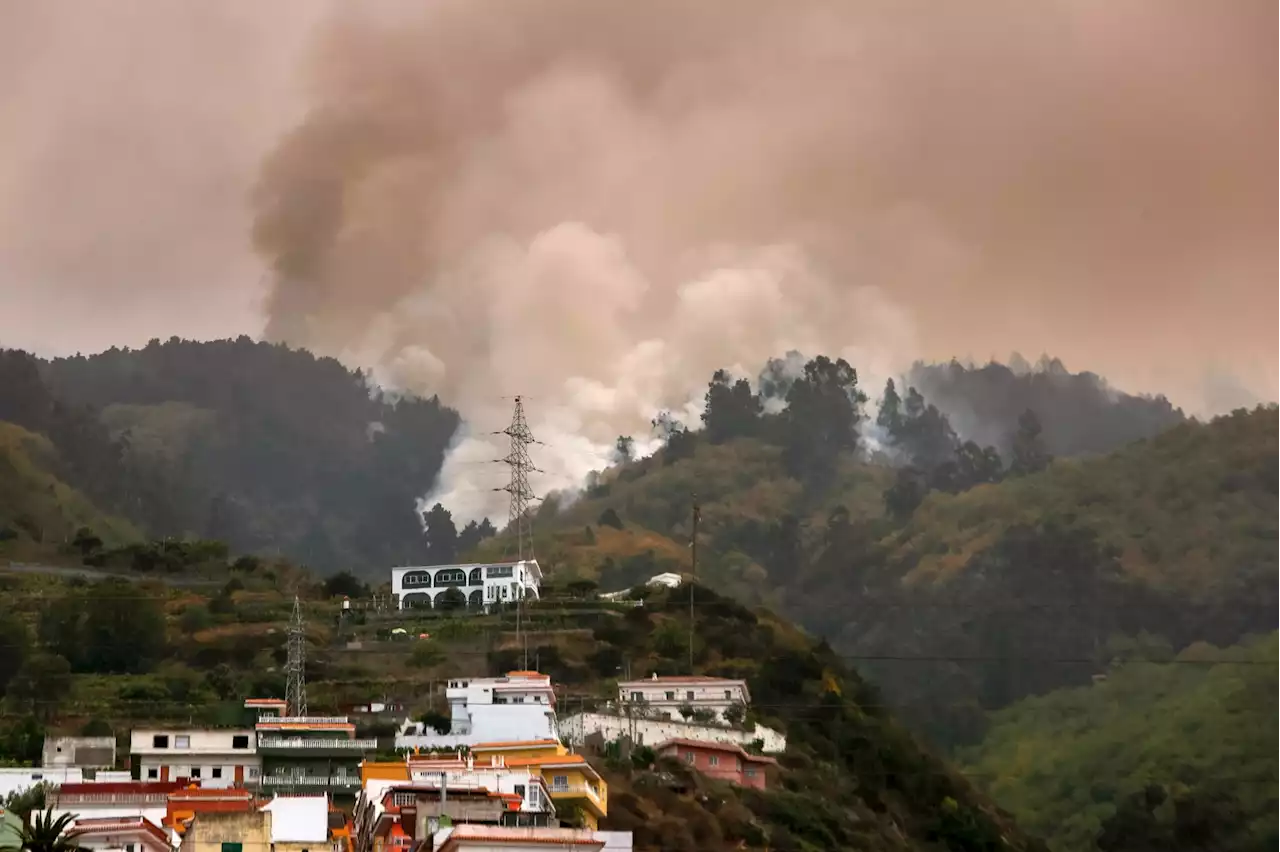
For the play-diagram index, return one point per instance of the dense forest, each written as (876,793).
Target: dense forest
(1001,551)
(267,448)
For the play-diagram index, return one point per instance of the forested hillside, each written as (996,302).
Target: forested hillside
(992,593)
(1179,746)
(267,448)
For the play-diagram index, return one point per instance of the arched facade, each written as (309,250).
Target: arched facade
(476,599)
(446,577)
(421,579)
(476,578)
(413,600)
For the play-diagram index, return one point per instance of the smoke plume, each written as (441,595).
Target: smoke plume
(597,204)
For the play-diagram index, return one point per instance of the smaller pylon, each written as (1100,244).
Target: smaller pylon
(295,668)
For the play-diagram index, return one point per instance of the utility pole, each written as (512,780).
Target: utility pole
(295,695)
(693,573)
(518,517)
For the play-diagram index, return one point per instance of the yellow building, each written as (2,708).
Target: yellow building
(573,783)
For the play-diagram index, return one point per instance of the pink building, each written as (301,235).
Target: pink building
(725,761)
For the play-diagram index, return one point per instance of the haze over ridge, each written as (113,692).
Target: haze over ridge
(597,205)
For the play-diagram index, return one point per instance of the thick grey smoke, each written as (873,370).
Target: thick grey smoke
(596,204)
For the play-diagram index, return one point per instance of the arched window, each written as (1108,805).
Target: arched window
(476,578)
(450,577)
(415,600)
(476,599)
(416,578)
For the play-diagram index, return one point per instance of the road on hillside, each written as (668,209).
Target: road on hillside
(95,574)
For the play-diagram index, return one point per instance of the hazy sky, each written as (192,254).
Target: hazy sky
(599,203)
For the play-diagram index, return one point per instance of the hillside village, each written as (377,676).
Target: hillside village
(508,767)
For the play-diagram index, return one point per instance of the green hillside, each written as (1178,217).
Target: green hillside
(1066,762)
(38,511)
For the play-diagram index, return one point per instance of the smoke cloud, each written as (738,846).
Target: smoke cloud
(596,205)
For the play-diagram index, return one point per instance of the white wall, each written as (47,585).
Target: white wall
(575,729)
(17,779)
(199,741)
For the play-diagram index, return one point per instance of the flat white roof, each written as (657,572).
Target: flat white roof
(296,819)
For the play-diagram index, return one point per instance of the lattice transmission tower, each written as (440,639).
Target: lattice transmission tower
(295,668)
(519,517)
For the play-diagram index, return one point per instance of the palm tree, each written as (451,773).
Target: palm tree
(46,834)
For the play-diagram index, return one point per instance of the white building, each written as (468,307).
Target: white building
(665,696)
(612,725)
(216,758)
(520,706)
(84,752)
(482,584)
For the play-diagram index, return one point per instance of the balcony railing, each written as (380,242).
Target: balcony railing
(325,781)
(574,790)
(303,720)
(368,744)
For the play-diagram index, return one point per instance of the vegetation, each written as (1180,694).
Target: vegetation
(1161,734)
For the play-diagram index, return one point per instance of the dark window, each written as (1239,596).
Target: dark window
(728,694)
(240,741)
(153,773)
(160,741)
(689,695)
(671,695)
(233,847)
(476,578)
(217,772)
(195,772)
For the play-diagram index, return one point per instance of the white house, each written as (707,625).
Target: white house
(666,695)
(520,706)
(217,758)
(483,584)
(84,752)
(668,579)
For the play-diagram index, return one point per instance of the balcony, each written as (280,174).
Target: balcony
(304,720)
(578,791)
(318,744)
(307,782)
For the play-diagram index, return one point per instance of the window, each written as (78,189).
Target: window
(253,772)
(217,771)
(233,847)
(636,696)
(182,741)
(714,760)
(728,695)
(751,772)
(476,577)
(153,772)
(451,577)
(519,788)
(671,695)
(240,741)
(499,571)
(688,696)
(688,757)
(560,782)
(160,741)
(195,772)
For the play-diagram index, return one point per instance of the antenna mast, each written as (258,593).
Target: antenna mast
(295,695)
(519,517)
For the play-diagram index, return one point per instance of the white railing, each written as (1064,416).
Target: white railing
(304,720)
(308,781)
(368,744)
(575,790)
